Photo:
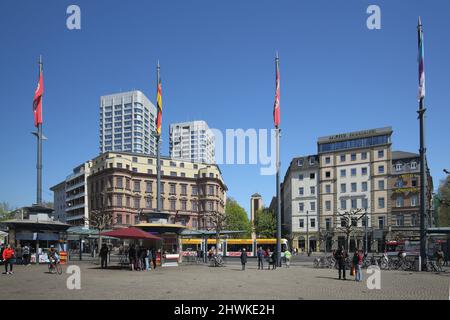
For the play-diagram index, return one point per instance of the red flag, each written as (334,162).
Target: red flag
(276,107)
(37,101)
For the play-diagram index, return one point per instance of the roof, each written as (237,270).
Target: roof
(60,185)
(293,166)
(256,195)
(130,233)
(396,155)
(33,224)
(355,135)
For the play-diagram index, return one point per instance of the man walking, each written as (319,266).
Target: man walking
(243,258)
(260,255)
(340,258)
(154,258)
(26,255)
(104,256)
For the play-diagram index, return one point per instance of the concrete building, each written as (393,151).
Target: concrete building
(125,184)
(127,123)
(59,201)
(192,141)
(404,183)
(256,203)
(300,203)
(354,171)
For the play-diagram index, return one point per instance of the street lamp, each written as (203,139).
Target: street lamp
(307,233)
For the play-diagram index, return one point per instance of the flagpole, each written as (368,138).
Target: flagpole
(158,162)
(422,152)
(39,151)
(277,132)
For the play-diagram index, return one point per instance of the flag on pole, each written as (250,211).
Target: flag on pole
(159,105)
(276,107)
(37,101)
(420,60)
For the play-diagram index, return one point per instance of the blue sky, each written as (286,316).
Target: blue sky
(217,65)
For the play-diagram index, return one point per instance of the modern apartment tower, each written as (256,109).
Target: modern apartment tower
(191,141)
(127,123)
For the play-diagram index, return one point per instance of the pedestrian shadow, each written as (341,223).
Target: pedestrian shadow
(332,278)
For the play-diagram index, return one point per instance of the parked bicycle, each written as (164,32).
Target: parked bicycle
(217,261)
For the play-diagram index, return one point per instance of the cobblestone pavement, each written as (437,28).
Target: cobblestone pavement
(229,282)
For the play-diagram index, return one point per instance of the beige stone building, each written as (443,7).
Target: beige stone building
(125,184)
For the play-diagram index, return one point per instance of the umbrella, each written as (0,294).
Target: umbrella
(130,233)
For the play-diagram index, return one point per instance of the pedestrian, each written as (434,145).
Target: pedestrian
(340,256)
(274,260)
(154,253)
(104,256)
(147,259)
(243,258)
(260,255)
(132,256)
(19,254)
(354,263)
(142,257)
(26,255)
(358,266)
(287,257)
(268,258)
(199,255)
(8,259)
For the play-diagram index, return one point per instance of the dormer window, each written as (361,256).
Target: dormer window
(311,161)
(413,165)
(398,167)
(300,162)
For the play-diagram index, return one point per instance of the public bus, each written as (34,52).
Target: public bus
(232,247)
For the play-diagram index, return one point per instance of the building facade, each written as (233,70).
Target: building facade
(300,209)
(125,184)
(77,204)
(404,183)
(256,203)
(192,141)
(127,123)
(59,201)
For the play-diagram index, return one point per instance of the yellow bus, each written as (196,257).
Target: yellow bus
(232,247)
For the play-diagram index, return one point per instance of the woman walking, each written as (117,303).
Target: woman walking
(358,265)
(8,257)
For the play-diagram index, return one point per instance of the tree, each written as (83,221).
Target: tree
(349,226)
(443,203)
(6,211)
(215,221)
(265,223)
(100,220)
(237,219)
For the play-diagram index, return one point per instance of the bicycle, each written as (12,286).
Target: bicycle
(55,265)
(217,261)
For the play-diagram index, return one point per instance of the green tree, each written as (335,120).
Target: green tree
(265,223)
(237,219)
(443,203)
(6,211)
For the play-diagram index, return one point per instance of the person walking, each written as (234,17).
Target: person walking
(260,255)
(147,259)
(274,260)
(132,256)
(142,257)
(287,257)
(358,266)
(104,256)
(8,258)
(340,258)
(243,258)
(26,255)
(154,258)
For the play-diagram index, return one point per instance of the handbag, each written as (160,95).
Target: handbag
(352,271)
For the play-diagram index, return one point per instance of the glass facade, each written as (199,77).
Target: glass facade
(354,143)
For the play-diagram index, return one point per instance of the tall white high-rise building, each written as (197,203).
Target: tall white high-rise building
(192,141)
(127,123)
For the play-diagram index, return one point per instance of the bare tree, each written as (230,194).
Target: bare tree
(217,222)
(100,220)
(349,226)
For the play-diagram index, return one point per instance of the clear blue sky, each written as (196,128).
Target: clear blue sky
(217,65)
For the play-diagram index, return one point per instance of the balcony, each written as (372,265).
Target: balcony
(72,187)
(75,196)
(78,206)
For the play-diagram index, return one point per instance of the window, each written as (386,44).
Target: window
(398,167)
(195,166)
(399,183)
(342,172)
(148,186)
(364,171)
(380,222)
(342,157)
(364,203)
(313,222)
(327,174)
(381,184)
(136,203)
(414,182)
(149,171)
(300,177)
(399,220)
(353,186)
(135,169)
(137,186)
(173,164)
(135,159)
(353,172)
(328,205)
(343,222)
(301,223)
(399,202)
(300,191)
(182,174)
(381,169)
(343,204)
(380,153)
(183,205)
(413,219)
(414,201)
(194,206)
(194,190)
(119,219)
(354,204)
(127,184)
(119,165)
(148,203)
(327,223)
(172,205)
(354,222)
(328,188)
(312,206)
(119,182)
(172,188)
(343,188)
(301,207)
(210,190)
(300,162)
(313,190)
(173,174)
(183,190)
(364,186)
(353,157)
(413,165)
(128,202)
(327,160)
(363,155)
(312,176)
(150,161)
(381,203)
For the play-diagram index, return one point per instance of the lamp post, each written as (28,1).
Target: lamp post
(307,233)
(365,231)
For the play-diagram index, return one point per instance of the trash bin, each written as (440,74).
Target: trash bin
(63,257)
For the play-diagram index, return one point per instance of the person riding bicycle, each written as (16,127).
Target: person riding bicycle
(53,256)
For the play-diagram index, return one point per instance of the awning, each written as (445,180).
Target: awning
(130,233)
